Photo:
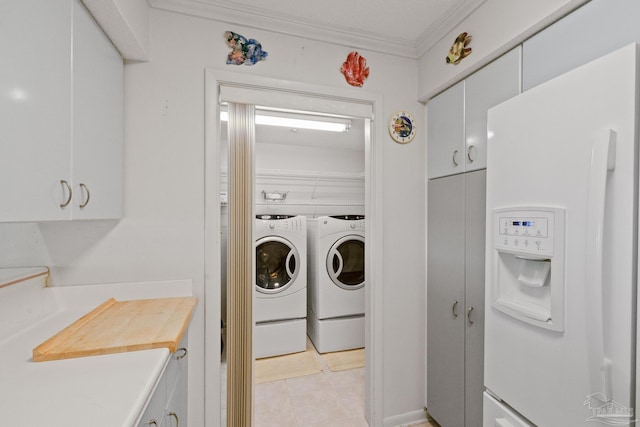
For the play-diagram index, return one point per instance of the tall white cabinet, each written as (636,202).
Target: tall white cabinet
(61,103)
(455,299)
(457,144)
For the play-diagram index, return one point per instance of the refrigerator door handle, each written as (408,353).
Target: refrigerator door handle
(602,161)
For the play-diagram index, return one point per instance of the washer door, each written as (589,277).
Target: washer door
(277,264)
(345,262)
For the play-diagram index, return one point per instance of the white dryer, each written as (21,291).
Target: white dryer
(335,313)
(280,296)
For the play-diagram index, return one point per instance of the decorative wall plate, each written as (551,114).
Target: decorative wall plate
(402,128)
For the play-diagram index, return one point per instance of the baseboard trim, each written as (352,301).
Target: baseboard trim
(412,417)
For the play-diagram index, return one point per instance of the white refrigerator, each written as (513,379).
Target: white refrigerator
(562,250)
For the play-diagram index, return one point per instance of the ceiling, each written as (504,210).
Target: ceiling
(405,28)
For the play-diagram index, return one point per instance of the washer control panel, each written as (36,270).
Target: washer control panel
(291,223)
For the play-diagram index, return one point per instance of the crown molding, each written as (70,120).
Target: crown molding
(444,25)
(267,21)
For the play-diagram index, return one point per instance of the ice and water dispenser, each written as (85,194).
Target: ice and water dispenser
(528,265)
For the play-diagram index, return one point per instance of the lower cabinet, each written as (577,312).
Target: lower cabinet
(455,298)
(168,405)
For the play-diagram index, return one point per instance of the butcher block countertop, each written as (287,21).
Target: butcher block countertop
(121,326)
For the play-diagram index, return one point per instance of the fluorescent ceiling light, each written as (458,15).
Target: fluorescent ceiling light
(298,121)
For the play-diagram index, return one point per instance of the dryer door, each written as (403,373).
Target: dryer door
(345,262)
(277,264)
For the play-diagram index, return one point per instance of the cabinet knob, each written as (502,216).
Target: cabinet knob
(85,191)
(453,158)
(453,309)
(174,415)
(469,316)
(66,186)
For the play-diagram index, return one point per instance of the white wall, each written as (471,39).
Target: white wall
(496,26)
(127,24)
(162,233)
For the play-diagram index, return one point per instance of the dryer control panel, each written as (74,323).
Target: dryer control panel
(354,223)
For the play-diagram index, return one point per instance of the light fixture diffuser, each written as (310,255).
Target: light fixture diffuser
(299,121)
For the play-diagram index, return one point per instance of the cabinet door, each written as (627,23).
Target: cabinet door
(177,407)
(35,135)
(445,300)
(97,120)
(177,384)
(445,132)
(493,84)
(475,215)
(153,414)
(595,29)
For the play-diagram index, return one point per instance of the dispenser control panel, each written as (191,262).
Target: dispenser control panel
(529,230)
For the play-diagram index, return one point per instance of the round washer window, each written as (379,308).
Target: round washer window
(277,264)
(345,262)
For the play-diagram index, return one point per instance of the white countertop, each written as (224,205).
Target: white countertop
(106,391)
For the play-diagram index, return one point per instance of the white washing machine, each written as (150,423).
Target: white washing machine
(280,296)
(335,311)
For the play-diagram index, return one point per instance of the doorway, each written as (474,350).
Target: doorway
(225,86)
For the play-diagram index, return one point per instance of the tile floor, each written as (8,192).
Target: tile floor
(327,399)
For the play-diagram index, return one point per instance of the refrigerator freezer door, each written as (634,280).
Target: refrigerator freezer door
(498,415)
(545,149)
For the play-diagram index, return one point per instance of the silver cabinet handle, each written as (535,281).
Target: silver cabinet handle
(453,309)
(183,353)
(469,310)
(85,190)
(469,150)
(66,185)
(174,415)
(453,158)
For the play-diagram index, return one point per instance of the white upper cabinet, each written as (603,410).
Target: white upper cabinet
(484,89)
(445,132)
(593,30)
(97,121)
(61,108)
(457,118)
